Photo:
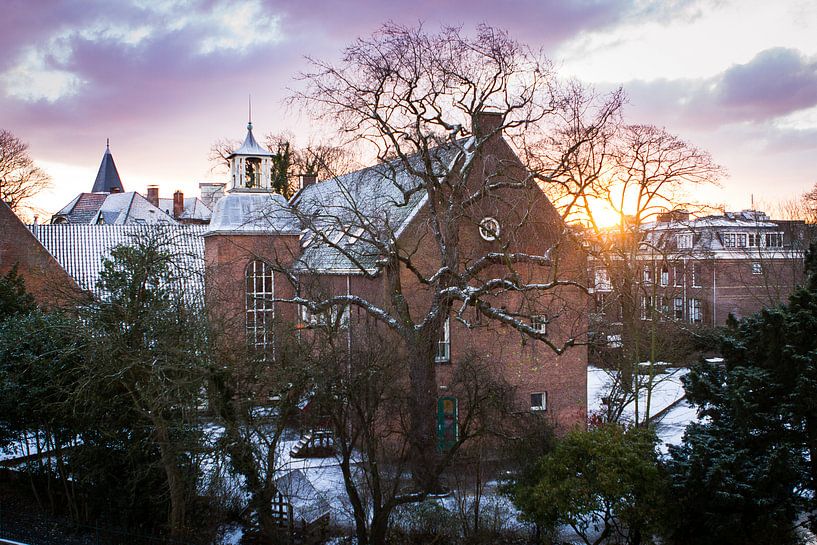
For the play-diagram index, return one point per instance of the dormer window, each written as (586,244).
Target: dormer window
(684,241)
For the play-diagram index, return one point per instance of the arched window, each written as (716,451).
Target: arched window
(260,307)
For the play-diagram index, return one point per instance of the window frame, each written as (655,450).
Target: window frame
(539,323)
(489,229)
(543,405)
(443,351)
(259,307)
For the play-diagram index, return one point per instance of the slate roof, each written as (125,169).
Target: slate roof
(82,208)
(383,198)
(81,249)
(107,179)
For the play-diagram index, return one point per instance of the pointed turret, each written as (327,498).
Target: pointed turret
(107,179)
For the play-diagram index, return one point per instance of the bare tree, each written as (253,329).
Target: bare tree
(432,109)
(632,173)
(20,178)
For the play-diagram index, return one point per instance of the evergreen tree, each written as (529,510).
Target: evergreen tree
(13,296)
(604,483)
(745,472)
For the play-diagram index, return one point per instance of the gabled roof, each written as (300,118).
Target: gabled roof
(107,179)
(128,208)
(80,250)
(82,208)
(382,198)
(251,146)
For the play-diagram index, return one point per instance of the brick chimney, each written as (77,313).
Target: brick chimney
(308,179)
(153,195)
(178,204)
(486,123)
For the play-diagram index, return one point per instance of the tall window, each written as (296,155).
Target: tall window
(647,274)
(259,305)
(444,344)
(678,276)
(664,275)
(755,240)
(646,307)
(678,308)
(695,311)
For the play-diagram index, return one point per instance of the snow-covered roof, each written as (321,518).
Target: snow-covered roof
(253,212)
(379,199)
(81,249)
(194,209)
(128,208)
(251,146)
(307,503)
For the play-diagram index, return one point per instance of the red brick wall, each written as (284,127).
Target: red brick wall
(45,279)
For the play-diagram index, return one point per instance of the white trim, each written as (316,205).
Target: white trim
(411,216)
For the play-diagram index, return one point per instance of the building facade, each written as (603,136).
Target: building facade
(702,270)
(268,259)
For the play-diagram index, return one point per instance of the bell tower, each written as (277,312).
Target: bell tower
(250,165)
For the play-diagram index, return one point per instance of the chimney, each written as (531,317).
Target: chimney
(486,123)
(153,195)
(211,193)
(308,179)
(178,204)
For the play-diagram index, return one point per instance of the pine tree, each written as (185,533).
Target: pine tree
(745,472)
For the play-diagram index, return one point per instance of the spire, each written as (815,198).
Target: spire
(107,179)
(249,114)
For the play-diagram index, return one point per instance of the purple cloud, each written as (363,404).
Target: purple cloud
(775,83)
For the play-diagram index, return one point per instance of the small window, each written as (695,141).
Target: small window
(334,317)
(757,268)
(444,344)
(539,324)
(489,229)
(538,401)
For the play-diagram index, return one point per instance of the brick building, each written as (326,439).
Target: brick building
(267,256)
(702,270)
(260,251)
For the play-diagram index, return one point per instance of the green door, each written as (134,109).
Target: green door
(447,424)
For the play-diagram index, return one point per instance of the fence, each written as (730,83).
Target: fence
(43,529)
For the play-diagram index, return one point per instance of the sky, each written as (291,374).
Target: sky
(164,79)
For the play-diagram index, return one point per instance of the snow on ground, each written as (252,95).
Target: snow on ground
(667,392)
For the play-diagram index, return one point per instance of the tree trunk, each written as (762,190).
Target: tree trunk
(175,480)
(422,413)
